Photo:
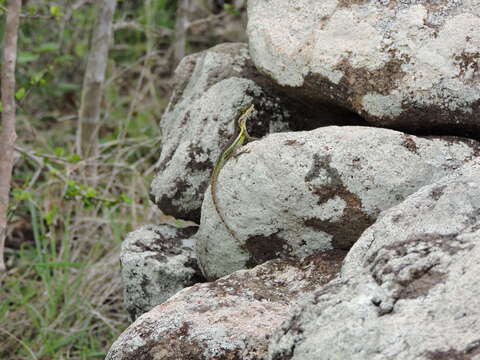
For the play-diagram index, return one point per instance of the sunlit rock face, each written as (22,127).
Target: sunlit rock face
(409,287)
(300,193)
(409,65)
(157,262)
(231,318)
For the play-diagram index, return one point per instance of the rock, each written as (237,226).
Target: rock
(408,65)
(213,88)
(409,289)
(444,208)
(296,194)
(231,318)
(157,262)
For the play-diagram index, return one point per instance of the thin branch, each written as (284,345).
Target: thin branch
(127,25)
(210,19)
(30,16)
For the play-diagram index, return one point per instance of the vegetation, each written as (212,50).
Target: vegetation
(61,296)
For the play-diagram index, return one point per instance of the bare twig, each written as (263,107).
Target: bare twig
(209,19)
(8,134)
(127,25)
(32,17)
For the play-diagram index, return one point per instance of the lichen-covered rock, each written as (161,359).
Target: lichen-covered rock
(410,286)
(410,65)
(232,318)
(214,87)
(295,194)
(157,262)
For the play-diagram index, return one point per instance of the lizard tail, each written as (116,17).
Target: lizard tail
(217,208)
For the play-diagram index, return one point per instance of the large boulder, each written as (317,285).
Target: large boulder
(409,289)
(409,65)
(232,318)
(157,262)
(296,194)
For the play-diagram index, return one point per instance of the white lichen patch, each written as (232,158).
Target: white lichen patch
(382,105)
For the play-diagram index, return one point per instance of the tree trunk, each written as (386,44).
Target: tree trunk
(180,31)
(93,84)
(8,134)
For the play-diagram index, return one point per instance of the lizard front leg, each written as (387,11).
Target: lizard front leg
(241,151)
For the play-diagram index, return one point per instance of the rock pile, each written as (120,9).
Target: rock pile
(357,213)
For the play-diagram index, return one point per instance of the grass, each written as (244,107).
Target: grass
(62,296)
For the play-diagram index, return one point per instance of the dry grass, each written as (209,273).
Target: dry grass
(62,298)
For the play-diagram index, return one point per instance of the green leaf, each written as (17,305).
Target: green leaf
(59,151)
(125,198)
(231,9)
(81,49)
(68,86)
(91,193)
(72,190)
(20,195)
(47,47)
(53,171)
(36,78)
(1,107)
(74,158)
(55,11)
(20,93)
(25,57)
(87,203)
(51,215)
(64,59)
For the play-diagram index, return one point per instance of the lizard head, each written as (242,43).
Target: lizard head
(242,121)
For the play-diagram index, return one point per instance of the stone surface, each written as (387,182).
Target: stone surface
(409,65)
(409,288)
(295,194)
(157,262)
(232,318)
(213,87)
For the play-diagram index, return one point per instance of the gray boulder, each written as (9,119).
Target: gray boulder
(231,318)
(409,289)
(409,65)
(157,262)
(297,194)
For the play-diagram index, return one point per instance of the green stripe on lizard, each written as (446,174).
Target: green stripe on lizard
(235,142)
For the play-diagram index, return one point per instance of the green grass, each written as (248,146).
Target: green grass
(62,297)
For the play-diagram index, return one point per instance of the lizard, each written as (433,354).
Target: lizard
(236,141)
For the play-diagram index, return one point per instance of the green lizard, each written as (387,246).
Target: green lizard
(235,142)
